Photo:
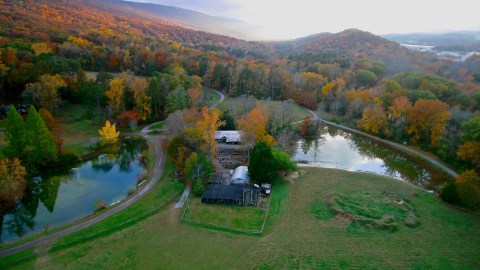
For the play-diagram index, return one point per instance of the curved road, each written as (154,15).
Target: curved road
(393,144)
(157,173)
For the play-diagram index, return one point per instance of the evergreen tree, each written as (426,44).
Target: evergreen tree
(262,166)
(177,99)
(40,147)
(15,134)
(198,167)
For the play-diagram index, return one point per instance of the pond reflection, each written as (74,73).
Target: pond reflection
(66,193)
(335,148)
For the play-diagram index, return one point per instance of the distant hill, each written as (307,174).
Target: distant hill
(353,43)
(196,20)
(452,41)
(55,20)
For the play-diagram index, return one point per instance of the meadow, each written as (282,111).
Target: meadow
(304,230)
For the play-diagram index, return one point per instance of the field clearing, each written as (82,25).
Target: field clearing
(295,237)
(242,105)
(78,132)
(92,75)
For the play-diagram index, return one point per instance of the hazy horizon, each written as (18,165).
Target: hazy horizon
(288,19)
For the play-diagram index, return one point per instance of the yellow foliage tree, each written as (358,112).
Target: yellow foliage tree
(115,94)
(109,133)
(142,104)
(207,125)
(375,120)
(40,48)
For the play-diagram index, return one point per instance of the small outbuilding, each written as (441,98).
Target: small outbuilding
(240,176)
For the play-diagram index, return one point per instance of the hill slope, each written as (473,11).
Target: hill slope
(196,20)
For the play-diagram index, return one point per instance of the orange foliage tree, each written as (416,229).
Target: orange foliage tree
(428,119)
(194,95)
(253,126)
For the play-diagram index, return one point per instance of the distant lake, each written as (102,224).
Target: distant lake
(67,193)
(335,148)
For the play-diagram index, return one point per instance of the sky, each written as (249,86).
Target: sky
(286,19)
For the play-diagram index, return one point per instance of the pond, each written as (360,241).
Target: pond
(335,148)
(67,193)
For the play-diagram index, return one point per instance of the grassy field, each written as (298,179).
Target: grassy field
(77,131)
(230,218)
(210,97)
(241,104)
(298,234)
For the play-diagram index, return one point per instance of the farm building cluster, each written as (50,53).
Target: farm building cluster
(234,189)
(232,186)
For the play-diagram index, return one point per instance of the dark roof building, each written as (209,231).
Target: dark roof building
(230,194)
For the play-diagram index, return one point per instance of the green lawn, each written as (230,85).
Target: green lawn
(297,236)
(156,126)
(226,217)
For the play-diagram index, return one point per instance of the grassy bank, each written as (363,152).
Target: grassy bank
(298,235)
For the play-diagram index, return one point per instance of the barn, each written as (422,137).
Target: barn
(228,136)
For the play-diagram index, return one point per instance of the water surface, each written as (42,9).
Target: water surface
(67,193)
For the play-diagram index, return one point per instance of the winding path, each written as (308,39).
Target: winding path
(157,173)
(392,144)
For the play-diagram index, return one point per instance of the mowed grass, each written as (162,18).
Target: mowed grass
(159,125)
(233,218)
(295,237)
(240,105)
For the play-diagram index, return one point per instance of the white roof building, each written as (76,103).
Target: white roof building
(240,176)
(228,136)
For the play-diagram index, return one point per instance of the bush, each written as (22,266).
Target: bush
(197,187)
(449,194)
(68,155)
(130,191)
(100,205)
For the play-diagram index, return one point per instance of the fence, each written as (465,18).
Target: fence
(223,228)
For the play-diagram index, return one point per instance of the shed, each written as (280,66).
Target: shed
(240,176)
(228,136)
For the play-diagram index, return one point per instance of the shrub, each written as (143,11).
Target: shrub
(100,205)
(449,194)
(67,155)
